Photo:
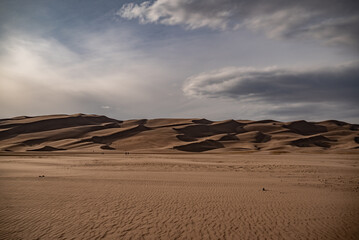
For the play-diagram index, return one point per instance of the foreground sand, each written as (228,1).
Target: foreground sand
(179,196)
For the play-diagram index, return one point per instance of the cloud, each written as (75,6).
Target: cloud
(280,89)
(41,75)
(333,22)
(278,84)
(186,12)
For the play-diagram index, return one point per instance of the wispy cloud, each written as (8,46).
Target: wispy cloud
(42,75)
(335,22)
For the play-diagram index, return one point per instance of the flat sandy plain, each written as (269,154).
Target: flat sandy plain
(179,196)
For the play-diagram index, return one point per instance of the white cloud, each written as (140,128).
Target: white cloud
(177,12)
(335,22)
(132,10)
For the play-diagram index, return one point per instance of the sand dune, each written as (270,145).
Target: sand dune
(41,124)
(82,132)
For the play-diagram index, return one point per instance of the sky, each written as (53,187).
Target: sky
(215,59)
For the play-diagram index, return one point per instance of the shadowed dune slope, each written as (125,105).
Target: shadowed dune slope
(200,146)
(81,132)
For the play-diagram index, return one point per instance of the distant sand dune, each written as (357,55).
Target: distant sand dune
(82,132)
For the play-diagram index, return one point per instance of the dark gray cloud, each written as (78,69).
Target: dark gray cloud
(280,86)
(331,21)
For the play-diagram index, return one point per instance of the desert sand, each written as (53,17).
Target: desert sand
(69,177)
(179,196)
